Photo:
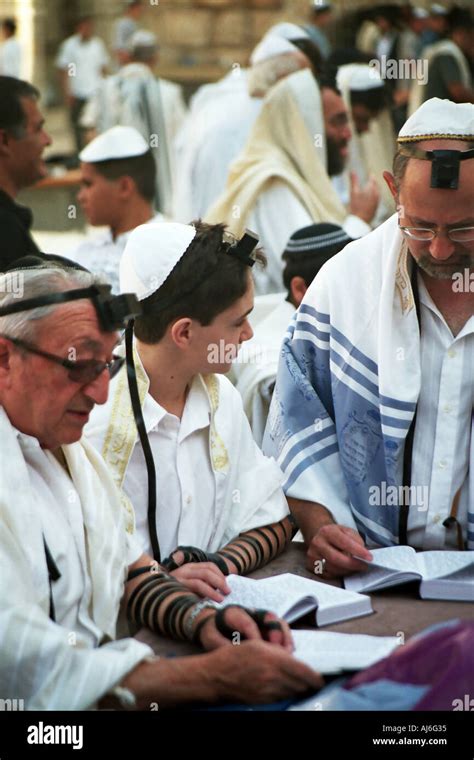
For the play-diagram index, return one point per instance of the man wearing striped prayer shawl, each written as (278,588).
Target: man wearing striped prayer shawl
(372,416)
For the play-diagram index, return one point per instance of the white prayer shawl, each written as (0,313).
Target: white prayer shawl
(135,98)
(444,47)
(37,661)
(348,384)
(255,368)
(370,153)
(287,144)
(218,124)
(247,484)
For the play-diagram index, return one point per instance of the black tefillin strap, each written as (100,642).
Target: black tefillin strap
(143,436)
(240,249)
(53,575)
(444,164)
(408,451)
(112,311)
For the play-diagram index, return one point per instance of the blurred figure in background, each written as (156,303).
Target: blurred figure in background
(117,190)
(321,16)
(22,142)
(82,61)
(281,180)
(124,29)
(10,50)
(222,114)
(134,97)
(437,25)
(372,146)
(449,64)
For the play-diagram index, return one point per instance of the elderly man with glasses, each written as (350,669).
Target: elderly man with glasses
(68,554)
(372,416)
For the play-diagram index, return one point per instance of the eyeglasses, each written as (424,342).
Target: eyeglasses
(456,235)
(84,372)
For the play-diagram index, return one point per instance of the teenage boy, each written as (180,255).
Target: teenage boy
(216,493)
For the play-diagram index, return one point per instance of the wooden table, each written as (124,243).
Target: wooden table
(397,611)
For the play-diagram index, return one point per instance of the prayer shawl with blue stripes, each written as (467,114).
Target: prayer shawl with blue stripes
(347,387)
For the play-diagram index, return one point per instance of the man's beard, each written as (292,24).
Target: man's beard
(335,161)
(445,270)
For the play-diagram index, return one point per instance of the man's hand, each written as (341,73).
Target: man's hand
(364,200)
(256,672)
(243,628)
(204,579)
(253,672)
(337,544)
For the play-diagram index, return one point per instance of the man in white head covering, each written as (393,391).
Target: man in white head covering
(67,559)
(194,474)
(134,97)
(281,180)
(372,416)
(372,146)
(222,115)
(117,190)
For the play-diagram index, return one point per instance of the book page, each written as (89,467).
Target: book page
(248,592)
(386,562)
(329,652)
(280,593)
(329,598)
(441,564)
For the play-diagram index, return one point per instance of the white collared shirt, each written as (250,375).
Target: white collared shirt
(58,505)
(213,482)
(84,61)
(442,440)
(101,254)
(185,480)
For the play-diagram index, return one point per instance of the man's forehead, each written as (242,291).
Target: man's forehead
(75,323)
(418,176)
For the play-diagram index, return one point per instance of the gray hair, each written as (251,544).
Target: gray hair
(33,283)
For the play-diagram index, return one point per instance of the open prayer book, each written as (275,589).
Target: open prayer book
(290,597)
(330,653)
(443,574)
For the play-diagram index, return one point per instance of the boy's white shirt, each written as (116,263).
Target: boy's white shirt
(213,482)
